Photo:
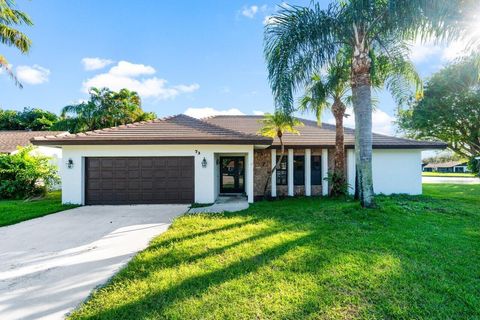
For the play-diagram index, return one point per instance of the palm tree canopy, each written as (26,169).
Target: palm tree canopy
(104,109)
(299,41)
(10,18)
(397,75)
(276,124)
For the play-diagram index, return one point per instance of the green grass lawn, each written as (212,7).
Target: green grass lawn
(447,174)
(14,211)
(415,257)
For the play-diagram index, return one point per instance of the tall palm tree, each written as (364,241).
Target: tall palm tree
(9,19)
(301,40)
(332,91)
(274,126)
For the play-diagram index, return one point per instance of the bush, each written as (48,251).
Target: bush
(338,184)
(25,174)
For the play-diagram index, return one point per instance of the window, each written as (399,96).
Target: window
(316,173)
(299,170)
(282,176)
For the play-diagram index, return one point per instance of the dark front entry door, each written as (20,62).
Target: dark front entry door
(232,174)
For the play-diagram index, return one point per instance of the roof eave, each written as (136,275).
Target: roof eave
(58,142)
(351,146)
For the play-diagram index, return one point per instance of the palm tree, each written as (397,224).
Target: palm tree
(332,91)
(9,18)
(274,126)
(302,40)
(104,109)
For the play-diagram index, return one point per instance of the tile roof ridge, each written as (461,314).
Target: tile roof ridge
(243,134)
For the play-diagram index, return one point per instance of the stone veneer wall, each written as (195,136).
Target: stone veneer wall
(262,166)
(261,170)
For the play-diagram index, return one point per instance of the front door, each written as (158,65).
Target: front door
(232,174)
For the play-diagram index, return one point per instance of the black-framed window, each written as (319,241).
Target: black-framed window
(316,171)
(282,173)
(298,170)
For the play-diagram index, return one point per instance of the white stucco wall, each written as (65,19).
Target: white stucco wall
(205,185)
(394,171)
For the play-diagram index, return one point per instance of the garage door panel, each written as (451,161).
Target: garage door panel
(137,180)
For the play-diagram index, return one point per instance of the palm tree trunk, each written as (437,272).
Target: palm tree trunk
(270,176)
(362,106)
(338,110)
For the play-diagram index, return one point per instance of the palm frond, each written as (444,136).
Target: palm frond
(6,66)
(298,41)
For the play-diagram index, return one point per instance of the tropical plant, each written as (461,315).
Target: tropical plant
(104,109)
(274,126)
(331,90)
(449,110)
(10,18)
(302,40)
(28,119)
(25,174)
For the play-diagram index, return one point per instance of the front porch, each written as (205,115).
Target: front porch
(302,172)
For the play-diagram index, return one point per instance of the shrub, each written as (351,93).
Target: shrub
(338,184)
(25,174)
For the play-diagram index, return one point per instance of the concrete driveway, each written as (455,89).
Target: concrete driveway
(49,265)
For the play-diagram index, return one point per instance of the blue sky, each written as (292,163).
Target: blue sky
(181,56)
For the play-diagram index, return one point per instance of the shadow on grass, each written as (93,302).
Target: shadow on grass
(333,259)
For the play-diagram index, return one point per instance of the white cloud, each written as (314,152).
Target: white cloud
(251,11)
(32,74)
(423,51)
(269,20)
(128,69)
(258,112)
(382,122)
(126,75)
(208,112)
(419,52)
(95,63)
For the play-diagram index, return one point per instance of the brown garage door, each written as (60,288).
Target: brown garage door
(139,180)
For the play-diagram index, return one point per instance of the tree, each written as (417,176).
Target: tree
(104,109)
(9,120)
(28,119)
(37,119)
(26,174)
(331,91)
(274,126)
(302,40)
(449,110)
(10,36)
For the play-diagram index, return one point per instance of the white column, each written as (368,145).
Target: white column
(324,172)
(250,175)
(308,172)
(351,172)
(273,181)
(290,173)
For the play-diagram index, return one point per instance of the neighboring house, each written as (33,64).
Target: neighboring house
(180,159)
(447,167)
(10,140)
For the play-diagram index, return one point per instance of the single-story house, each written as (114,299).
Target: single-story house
(180,159)
(447,167)
(10,140)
